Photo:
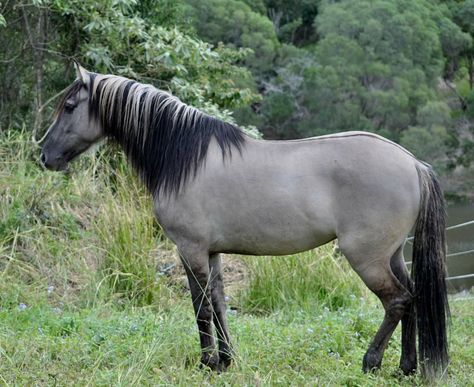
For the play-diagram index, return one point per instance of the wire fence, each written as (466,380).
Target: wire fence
(451,227)
(457,254)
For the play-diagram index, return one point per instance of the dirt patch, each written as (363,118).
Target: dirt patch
(234,271)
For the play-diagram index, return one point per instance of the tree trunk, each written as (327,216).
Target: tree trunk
(38,40)
(471,71)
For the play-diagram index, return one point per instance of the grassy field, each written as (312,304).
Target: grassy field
(91,293)
(104,345)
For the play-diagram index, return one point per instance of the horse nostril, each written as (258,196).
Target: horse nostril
(43,159)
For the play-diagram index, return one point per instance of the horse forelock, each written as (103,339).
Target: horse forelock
(165,139)
(72,90)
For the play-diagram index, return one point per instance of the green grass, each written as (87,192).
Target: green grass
(302,280)
(42,345)
(81,302)
(90,233)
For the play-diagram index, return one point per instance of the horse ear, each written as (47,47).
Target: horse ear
(81,73)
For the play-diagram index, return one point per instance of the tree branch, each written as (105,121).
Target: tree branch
(454,90)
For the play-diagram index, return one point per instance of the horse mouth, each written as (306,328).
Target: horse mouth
(56,167)
(57,164)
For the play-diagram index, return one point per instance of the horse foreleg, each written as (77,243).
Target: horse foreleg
(198,273)
(220,320)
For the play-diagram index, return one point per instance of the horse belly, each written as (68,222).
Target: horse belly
(280,222)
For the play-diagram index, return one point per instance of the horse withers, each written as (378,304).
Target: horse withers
(215,190)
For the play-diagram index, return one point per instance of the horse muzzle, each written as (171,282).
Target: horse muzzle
(55,163)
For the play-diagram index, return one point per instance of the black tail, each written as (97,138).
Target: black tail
(429,273)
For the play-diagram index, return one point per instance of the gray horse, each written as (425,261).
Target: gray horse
(215,190)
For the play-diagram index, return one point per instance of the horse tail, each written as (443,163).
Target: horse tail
(429,275)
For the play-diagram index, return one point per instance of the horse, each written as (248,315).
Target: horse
(216,190)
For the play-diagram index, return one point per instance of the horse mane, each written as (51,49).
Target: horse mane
(165,140)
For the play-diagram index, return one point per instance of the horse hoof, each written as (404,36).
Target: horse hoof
(210,361)
(224,363)
(408,368)
(371,362)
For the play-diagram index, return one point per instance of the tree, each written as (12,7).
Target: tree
(377,63)
(120,36)
(235,24)
(464,16)
(427,144)
(293,20)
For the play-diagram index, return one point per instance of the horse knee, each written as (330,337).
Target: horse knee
(204,312)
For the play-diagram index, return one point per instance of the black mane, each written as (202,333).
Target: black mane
(165,140)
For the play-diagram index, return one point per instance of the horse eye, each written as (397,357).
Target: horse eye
(69,107)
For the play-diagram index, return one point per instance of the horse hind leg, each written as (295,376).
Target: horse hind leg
(395,300)
(408,361)
(379,278)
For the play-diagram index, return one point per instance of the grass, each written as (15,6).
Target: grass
(42,345)
(91,233)
(82,301)
(300,281)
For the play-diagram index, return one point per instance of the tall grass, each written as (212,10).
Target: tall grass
(89,234)
(129,237)
(315,277)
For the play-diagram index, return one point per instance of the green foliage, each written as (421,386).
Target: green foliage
(293,68)
(464,13)
(256,5)
(375,67)
(293,20)
(428,144)
(91,235)
(470,104)
(127,232)
(234,23)
(434,113)
(277,108)
(453,41)
(386,55)
(119,40)
(137,40)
